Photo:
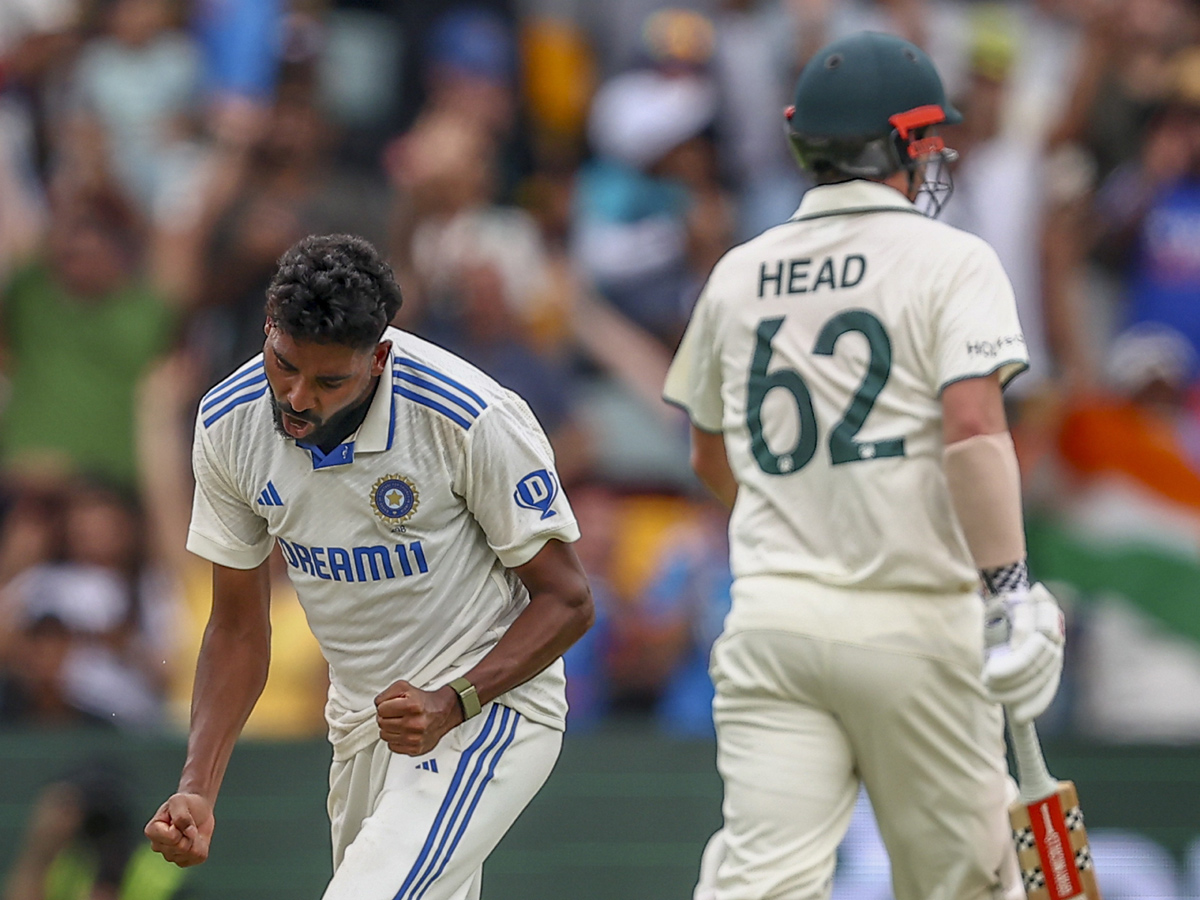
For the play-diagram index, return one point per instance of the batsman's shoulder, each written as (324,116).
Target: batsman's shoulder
(939,246)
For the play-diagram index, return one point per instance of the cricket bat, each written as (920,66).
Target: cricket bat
(1052,844)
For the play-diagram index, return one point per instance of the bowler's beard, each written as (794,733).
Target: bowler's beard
(327,433)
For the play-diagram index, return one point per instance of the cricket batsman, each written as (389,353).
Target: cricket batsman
(843,375)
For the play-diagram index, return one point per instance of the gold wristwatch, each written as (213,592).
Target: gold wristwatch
(467,697)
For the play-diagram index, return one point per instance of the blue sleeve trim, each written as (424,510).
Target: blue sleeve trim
(434,405)
(413,364)
(441,392)
(212,398)
(245,398)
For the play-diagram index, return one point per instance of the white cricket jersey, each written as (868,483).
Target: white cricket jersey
(400,540)
(820,350)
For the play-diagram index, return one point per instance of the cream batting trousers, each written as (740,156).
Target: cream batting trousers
(886,693)
(420,827)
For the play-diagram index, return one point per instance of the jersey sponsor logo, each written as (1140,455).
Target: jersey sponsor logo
(394,500)
(992,349)
(536,491)
(356,564)
(800,276)
(269,496)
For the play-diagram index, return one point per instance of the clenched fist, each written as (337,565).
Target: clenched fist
(182,829)
(412,721)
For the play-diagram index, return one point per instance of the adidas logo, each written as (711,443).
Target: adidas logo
(430,765)
(270,496)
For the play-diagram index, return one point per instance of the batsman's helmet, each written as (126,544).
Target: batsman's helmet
(863,105)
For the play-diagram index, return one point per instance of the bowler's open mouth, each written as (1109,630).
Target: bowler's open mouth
(295,426)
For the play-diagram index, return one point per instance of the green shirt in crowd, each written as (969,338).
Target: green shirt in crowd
(72,876)
(73,369)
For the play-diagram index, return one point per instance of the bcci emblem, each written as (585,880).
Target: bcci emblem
(394,499)
(537,491)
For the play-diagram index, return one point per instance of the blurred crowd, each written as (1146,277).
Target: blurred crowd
(552,180)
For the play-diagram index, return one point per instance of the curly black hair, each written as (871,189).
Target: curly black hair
(333,289)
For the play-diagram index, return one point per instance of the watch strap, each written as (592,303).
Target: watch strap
(467,697)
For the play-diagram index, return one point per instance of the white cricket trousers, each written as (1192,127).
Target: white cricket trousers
(420,827)
(886,692)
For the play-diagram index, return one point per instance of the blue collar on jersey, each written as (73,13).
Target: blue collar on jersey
(341,455)
(376,433)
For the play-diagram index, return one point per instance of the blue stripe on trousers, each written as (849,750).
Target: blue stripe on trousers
(463,763)
(512,733)
(422,883)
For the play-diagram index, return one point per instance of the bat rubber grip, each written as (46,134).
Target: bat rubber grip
(1033,778)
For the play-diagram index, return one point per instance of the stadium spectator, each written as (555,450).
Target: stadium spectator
(758,50)
(276,177)
(999,193)
(688,597)
(110,613)
(1145,428)
(1123,75)
(136,96)
(589,687)
(486,331)
(81,841)
(1149,211)
(21,214)
(482,274)
(650,191)
(1123,529)
(35,37)
(32,681)
(240,44)
(471,67)
(444,172)
(80,326)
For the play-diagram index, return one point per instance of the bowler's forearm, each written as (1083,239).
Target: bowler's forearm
(540,635)
(560,610)
(230,675)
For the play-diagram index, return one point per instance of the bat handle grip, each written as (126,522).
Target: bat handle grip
(1033,778)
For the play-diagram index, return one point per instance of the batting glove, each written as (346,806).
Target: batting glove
(1024,657)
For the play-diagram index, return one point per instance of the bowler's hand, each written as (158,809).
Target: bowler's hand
(412,721)
(182,829)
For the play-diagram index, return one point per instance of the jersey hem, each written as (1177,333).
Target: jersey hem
(209,549)
(1019,364)
(679,404)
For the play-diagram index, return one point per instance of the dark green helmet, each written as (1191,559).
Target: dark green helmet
(862,106)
